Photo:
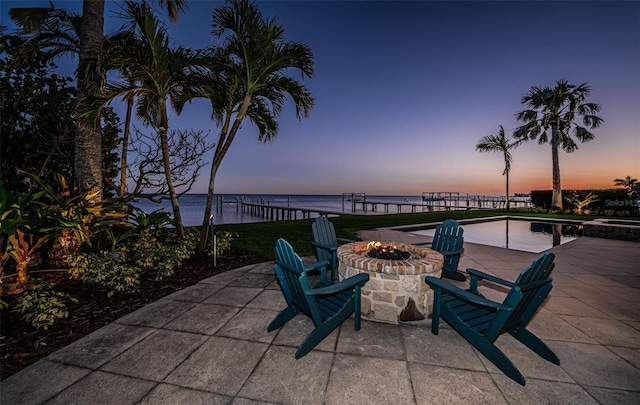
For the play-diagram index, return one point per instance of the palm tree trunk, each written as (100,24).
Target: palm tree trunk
(224,142)
(125,146)
(507,195)
(164,145)
(556,198)
(88,139)
(218,155)
(204,233)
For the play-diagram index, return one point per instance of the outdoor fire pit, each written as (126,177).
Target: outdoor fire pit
(397,274)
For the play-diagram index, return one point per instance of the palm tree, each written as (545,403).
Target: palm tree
(555,108)
(88,142)
(88,153)
(249,78)
(155,75)
(630,183)
(499,143)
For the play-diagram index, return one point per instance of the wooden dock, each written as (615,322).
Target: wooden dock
(359,204)
(447,200)
(280,213)
(435,201)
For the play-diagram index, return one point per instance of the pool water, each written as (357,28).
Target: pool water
(517,234)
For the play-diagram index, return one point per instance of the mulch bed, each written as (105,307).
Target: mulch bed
(22,345)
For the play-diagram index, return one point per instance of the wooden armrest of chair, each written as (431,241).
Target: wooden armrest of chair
(468,296)
(358,279)
(325,247)
(452,252)
(321,265)
(479,275)
(343,240)
(316,265)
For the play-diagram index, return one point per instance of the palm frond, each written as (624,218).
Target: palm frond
(49,34)
(528,131)
(568,144)
(262,117)
(30,19)
(174,8)
(583,134)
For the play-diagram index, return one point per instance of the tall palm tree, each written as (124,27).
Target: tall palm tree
(156,74)
(88,142)
(555,109)
(88,166)
(250,78)
(499,143)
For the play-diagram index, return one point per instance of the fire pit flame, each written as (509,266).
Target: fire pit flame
(377,250)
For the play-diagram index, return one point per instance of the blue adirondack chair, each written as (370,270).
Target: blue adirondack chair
(325,243)
(448,241)
(328,304)
(481,321)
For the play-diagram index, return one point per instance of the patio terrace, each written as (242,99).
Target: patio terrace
(208,344)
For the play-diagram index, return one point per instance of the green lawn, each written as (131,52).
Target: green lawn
(260,237)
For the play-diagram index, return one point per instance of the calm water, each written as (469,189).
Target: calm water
(515,234)
(192,206)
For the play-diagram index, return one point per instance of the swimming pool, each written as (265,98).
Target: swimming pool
(530,235)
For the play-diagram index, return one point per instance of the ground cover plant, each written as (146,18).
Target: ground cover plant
(22,344)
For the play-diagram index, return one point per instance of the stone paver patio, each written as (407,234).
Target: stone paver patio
(208,344)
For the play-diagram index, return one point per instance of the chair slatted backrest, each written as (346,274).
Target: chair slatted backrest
(324,233)
(448,238)
(529,291)
(293,277)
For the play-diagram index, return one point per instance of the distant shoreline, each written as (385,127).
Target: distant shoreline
(192,205)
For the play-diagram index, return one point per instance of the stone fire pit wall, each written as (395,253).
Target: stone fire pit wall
(391,282)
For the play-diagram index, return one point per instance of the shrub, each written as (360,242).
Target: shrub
(157,251)
(110,270)
(40,305)
(161,252)
(223,243)
(156,219)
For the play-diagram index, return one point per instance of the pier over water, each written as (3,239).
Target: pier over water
(435,201)
(360,204)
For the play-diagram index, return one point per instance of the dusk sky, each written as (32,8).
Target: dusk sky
(404,90)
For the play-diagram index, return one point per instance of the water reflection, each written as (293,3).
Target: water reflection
(557,233)
(506,234)
(518,234)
